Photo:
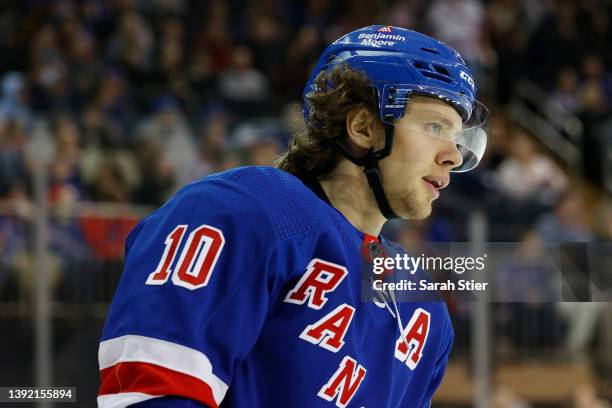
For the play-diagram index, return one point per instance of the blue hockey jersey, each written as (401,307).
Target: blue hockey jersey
(243,290)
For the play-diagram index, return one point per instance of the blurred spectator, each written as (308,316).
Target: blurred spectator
(597,26)
(84,68)
(15,212)
(242,82)
(354,14)
(212,146)
(465,34)
(585,396)
(13,42)
(565,94)
(263,152)
(168,128)
(529,283)
(113,98)
(109,184)
(132,44)
(529,273)
(499,143)
(65,236)
(527,174)
(202,77)
(231,159)
(603,222)
(64,169)
(568,221)
(13,164)
(103,145)
(568,224)
(158,179)
(167,7)
(506,397)
(266,37)
(214,38)
(99,131)
(167,74)
(316,13)
(258,142)
(402,14)
(509,27)
(594,100)
(556,42)
(597,85)
(13,101)
(49,71)
(302,53)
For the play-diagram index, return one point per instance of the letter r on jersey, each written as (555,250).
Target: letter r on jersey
(320,278)
(409,347)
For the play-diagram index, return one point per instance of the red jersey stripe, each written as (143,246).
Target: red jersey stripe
(134,376)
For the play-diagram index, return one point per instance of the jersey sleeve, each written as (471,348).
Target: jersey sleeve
(441,362)
(192,300)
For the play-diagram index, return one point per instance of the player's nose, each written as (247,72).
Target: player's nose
(449,155)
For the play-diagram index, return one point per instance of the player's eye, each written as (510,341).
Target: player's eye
(434,129)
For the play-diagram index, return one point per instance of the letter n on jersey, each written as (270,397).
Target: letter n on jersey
(409,347)
(320,278)
(344,383)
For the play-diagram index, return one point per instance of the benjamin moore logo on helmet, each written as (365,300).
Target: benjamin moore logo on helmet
(468,78)
(386,29)
(380,39)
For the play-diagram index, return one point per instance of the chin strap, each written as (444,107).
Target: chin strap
(369,163)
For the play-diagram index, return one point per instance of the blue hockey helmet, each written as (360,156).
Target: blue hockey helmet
(400,63)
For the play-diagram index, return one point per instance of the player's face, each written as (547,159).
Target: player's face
(423,155)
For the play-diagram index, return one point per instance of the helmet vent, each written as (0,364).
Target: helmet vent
(440,69)
(421,65)
(435,75)
(433,71)
(432,50)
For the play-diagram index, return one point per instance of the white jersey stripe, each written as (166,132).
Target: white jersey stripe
(122,400)
(162,353)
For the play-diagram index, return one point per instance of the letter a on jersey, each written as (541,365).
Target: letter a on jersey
(329,331)
(320,278)
(344,383)
(409,347)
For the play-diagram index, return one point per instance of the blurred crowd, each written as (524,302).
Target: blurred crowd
(127,100)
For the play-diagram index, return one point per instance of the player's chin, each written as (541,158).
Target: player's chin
(412,209)
(422,212)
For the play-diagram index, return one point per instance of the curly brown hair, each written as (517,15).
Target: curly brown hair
(310,153)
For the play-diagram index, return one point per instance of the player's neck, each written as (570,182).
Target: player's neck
(349,192)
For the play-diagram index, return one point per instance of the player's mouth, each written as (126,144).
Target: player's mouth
(435,184)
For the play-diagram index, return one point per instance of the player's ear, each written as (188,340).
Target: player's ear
(362,130)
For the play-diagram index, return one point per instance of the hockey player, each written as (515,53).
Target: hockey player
(244,289)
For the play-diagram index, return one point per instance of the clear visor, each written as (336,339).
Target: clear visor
(444,121)
(471,140)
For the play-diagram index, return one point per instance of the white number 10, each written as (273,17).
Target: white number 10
(196,260)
